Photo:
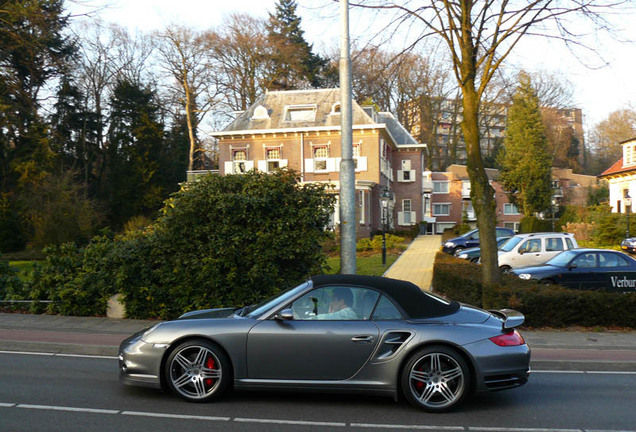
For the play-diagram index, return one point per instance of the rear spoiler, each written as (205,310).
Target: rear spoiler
(511,318)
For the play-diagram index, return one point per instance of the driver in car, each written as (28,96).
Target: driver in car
(340,306)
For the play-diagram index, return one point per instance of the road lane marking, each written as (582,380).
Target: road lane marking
(412,427)
(64,408)
(294,422)
(290,422)
(174,416)
(58,354)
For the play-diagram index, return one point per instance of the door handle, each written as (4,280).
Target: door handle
(362,339)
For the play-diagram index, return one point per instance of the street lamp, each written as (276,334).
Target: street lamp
(385,196)
(628,205)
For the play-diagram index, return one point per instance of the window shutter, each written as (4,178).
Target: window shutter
(362,163)
(282,163)
(400,218)
(412,218)
(412,175)
(331,165)
(262,166)
(400,177)
(309,165)
(228,168)
(249,165)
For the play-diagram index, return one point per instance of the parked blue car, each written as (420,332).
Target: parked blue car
(471,239)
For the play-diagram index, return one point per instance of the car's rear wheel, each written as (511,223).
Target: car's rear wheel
(198,371)
(435,379)
(474,260)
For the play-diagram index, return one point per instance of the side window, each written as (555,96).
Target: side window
(568,241)
(533,245)
(335,303)
(585,260)
(386,311)
(474,236)
(553,244)
(611,260)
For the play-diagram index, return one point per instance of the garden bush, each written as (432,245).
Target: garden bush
(220,241)
(11,287)
(542,305)
(375,244)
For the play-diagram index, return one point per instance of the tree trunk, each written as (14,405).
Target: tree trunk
(481,192)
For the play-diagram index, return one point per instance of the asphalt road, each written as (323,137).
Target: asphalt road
(69,393)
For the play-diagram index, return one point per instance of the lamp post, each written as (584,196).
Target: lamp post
(628,205)
(385,196)
(554,203)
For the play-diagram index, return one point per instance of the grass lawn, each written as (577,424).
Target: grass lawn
(365,265)
(25,269)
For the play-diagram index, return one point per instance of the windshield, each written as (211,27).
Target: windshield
(279,298)
(510,244)
(562,259)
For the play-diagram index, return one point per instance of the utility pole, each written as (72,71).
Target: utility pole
(347,168)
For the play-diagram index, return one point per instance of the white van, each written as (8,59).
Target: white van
(533,249)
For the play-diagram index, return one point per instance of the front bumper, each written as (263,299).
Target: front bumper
(140,362)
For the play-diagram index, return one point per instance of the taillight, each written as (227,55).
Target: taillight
(512,338)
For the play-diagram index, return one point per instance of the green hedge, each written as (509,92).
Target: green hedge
(542,305)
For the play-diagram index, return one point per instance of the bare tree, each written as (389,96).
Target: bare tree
(240,56)
(185,58)
(607,135)
(479,36)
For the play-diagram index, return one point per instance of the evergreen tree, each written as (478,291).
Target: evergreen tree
(524,161)
(294,65)
(135,184)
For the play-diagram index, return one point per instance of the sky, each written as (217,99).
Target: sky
(598,92)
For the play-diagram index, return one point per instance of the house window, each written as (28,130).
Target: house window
(629,154)
(360,211)
(238,161)
(441,209)
(440,187)
(510,209)
(321,153)
(300,113)
(406,175)
(515,226)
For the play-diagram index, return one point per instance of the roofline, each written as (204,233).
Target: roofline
(293,130)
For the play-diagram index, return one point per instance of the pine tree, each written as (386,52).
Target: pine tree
(294,65)
(524,161)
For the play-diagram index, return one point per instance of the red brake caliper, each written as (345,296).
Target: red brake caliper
(209,363)
(419,384)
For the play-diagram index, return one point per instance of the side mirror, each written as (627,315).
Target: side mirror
(285,315)
(571,266)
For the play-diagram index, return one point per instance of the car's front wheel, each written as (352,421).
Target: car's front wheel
(505,269)
(435,379)
(198,371)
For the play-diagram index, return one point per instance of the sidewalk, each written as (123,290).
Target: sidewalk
(416,263)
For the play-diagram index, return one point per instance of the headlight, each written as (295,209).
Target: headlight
(449,244)
(525,276)
(463,256)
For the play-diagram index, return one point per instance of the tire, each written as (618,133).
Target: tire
(436,379)
(474,260)
(198,371)
(505,269)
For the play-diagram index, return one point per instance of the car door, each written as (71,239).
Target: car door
(615,273)
(472,240)
(310,348)
(529,253)
(553,247)
(581,272)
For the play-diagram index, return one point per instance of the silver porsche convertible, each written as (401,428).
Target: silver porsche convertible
(339,333)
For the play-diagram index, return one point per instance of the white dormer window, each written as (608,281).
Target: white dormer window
(335,109)
(629,154)
(260,112)
(298,113)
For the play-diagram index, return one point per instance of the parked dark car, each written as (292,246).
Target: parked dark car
(473,254)
(339,333)
(471,239)
(586,269)
(629,245)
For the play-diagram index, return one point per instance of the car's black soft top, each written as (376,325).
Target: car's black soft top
(415,302)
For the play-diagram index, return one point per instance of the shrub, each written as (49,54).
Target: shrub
(582,230)
(12,237)
(542,305)
(609,230)
(220,241)
(375,244)
(11,287)
(531,224)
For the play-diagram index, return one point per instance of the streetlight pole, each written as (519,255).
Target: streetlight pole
(554,203)
(385,195)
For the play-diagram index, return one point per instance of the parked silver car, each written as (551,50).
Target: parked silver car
(340,333)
